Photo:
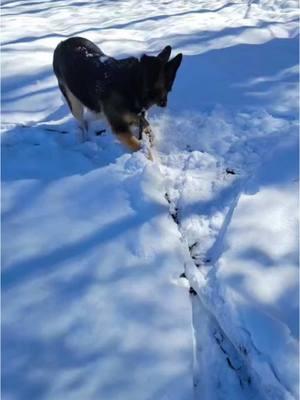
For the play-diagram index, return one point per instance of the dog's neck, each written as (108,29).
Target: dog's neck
(129,73)
(136,81)
(135,77)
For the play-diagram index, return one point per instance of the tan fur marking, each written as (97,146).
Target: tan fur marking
(129,140)
(132,142)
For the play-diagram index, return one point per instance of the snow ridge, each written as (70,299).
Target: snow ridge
(210,307)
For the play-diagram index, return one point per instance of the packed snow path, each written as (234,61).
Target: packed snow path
(94,238)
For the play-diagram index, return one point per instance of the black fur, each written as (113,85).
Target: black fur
(77,62)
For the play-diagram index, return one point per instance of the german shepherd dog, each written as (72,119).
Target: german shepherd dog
(120,90)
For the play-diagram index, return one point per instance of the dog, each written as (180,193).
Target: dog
(120,90)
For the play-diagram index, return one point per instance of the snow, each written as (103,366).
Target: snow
(92,248)
(242,231)
(88,270)
(263,271)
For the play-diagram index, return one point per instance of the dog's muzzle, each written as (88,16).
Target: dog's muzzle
(163,103)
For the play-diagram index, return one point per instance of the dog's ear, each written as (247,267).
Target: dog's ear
(164,55)
(171,69)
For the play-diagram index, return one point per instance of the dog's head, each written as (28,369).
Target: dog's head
(158,75)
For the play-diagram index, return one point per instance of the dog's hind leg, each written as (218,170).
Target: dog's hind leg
(76,108)
(64,92)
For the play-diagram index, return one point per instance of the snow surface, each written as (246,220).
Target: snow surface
(92,303)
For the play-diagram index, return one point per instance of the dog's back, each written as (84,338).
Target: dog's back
(77,66)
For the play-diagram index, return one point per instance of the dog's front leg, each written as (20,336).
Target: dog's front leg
(144,127)
(122,130)
(129,140)
(132,142)
(148,131)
